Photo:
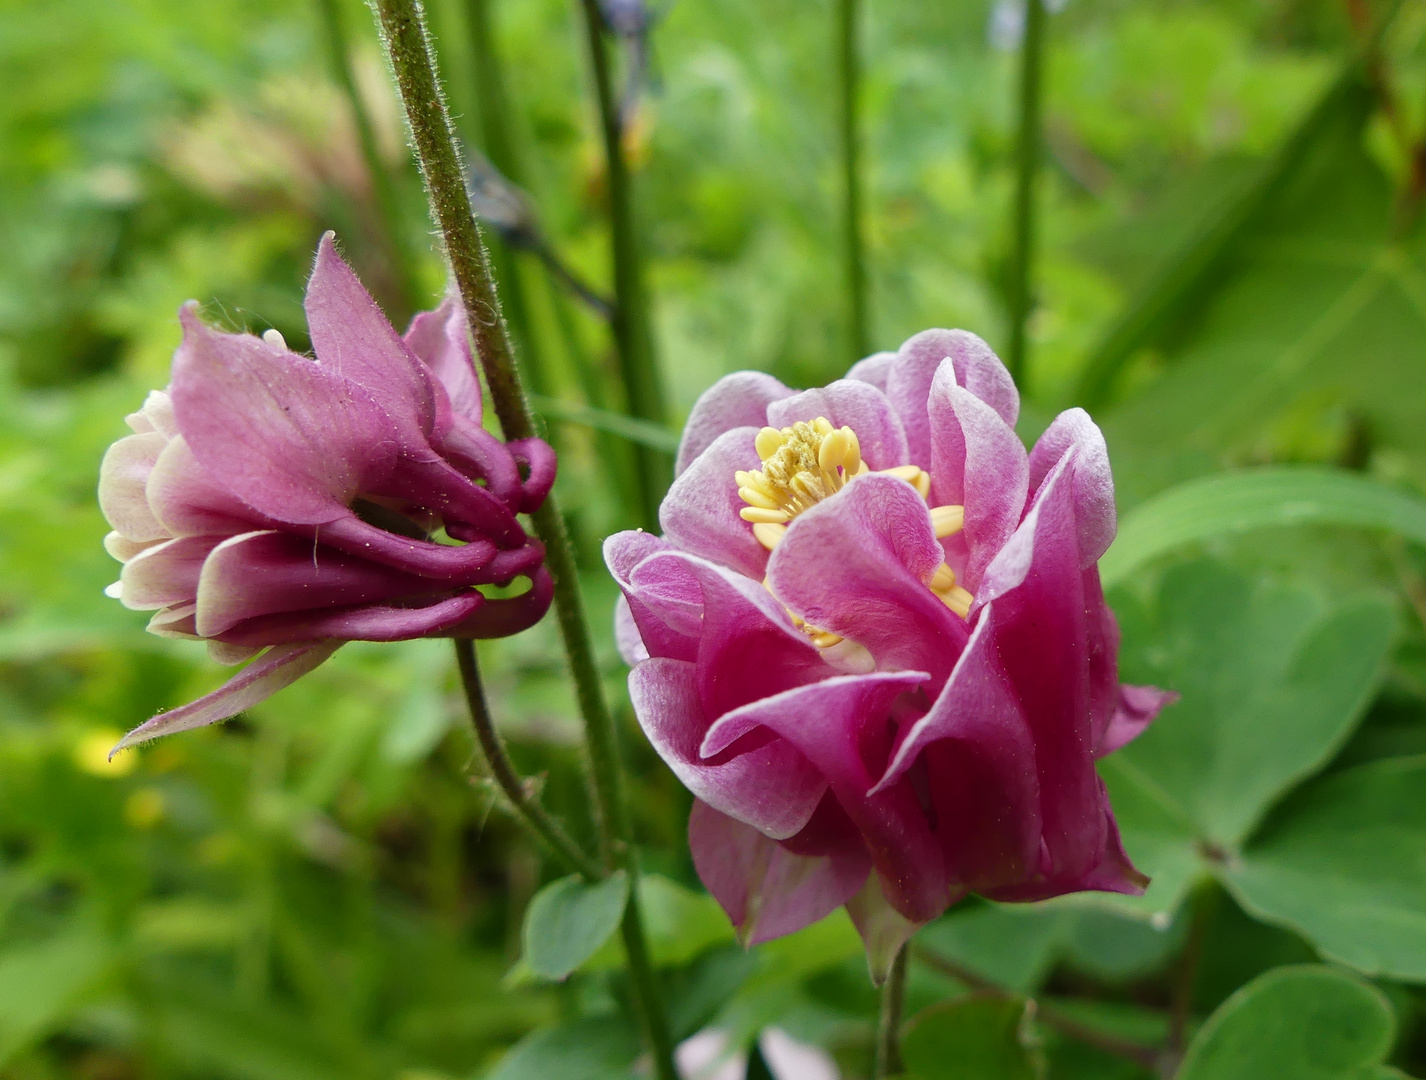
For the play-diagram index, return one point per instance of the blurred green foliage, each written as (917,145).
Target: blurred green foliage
(327,887)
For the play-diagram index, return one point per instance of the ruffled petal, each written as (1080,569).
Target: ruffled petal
(734,401)
(291,439)
(165,574)
(667,608)
(700,511)
(874,369)
(857,565)
(1138,706)
(856,405)
(842,726)
(481,456)
(540,463)
(1074,432)
(977,461)
(978,369)
(771,787)
(187,500)
(269,673)
(979,754)
(123,474)
(352,338)
(767,890)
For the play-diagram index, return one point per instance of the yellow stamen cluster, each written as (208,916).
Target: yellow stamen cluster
(810,461)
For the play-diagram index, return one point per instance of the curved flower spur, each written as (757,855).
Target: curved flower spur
(873,643)
(277,507)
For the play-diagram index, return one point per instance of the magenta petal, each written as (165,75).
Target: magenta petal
(266,675)
(354,339)
(734,401)
(440,339)
(290,439)
(1138,706)
(981,770)
(1074,432)
(874,369)
(540,463)
(508,615)
(667,608)
(857,565)
(856,405)
(977,461)
(123,475)
(481,456)
(469,564)
(700,511)
(767,890)
(364,622)
(627,638)
(841,725)
(771,787)
(264,573)
(977,368)
(187,499)
(1042,637)
(165,574)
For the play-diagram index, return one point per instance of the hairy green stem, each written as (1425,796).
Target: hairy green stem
(638,366)
(502,770)
(853,247)
(405,38)
(888,1025)
(383,193)
(1027,168)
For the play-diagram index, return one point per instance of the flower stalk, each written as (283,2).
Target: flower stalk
(1027,167)
(888,1027)
(643,382)
(405,38)
(853,254)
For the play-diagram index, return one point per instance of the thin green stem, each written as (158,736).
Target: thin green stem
(1027,168)
(888,1026)
(405,38)
(853,247)
(383,193)
(638,366)
(502,770)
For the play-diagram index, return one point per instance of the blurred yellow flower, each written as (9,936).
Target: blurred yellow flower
(91,754)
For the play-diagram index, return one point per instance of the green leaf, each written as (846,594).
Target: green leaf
(679,922)
(1255,499)
(570,919)
(974,1038)
(1343,864)
(600,1048)
(639,432)
(1309,1023)
(41,983)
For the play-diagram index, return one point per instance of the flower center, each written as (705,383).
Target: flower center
(811,461)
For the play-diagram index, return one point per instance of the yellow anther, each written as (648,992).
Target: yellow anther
(824,640)
(769,534)
(757,497)
(833,451)
(922,484)
(768,442)
(909,473)
(822,426)
(944,578)
(760,514)
(957,599)
(947,520)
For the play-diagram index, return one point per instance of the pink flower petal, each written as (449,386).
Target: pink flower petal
(440,339)
(874,369)
(857,565)
(507,615)
(1074,432)
(734,401)
(700,511)
(977,461)
(286,436)
(122,476)
(667,609)
(767,890)
(1138,706)
(187,500)
(363,622)
(860,407)
(165,574)
(771,787)
(978,369)
(269,673)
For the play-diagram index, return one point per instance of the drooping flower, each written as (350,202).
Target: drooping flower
(276,506)
(873,643)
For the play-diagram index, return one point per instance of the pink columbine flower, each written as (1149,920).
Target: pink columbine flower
(276,507)
(873,643)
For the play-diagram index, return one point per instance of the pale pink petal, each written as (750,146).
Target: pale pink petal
(627,638)
(700,511)
(978,369)
(789,1059)
(874,369)
(734,401)
(441,340)
(1073,432)
(122,476)
(269,673)
(187,500)
(1138,706)
(165,574)
(856,405)
(668,618)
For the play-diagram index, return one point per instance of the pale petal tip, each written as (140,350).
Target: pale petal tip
(114,591)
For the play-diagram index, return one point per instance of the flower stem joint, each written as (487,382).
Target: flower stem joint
(873,644)
(275,506)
